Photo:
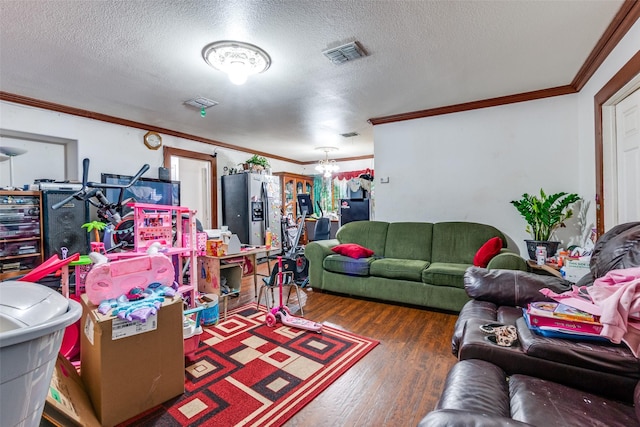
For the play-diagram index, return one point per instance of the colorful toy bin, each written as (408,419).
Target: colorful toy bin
(210,313)
(32,323)
(191,331)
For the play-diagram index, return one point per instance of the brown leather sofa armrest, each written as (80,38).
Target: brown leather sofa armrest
(510,287)
(473,309)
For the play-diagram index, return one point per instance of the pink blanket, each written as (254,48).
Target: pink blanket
(618,295)
(616,299)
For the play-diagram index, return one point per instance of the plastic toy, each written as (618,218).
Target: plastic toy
(112,279)
(138,304)
(283,314)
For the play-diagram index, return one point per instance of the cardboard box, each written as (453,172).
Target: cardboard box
(129,367)
(574,270)
(67,402)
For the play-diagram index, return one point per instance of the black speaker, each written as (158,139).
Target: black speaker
(62,227)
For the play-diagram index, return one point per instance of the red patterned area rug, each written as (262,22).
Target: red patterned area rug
(246,373)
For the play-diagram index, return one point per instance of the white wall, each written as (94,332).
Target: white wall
(627,47)
(114,148)
(468,166)
(471,164)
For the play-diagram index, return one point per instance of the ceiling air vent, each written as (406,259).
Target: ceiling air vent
(349,134)
(344,53)
(201,103)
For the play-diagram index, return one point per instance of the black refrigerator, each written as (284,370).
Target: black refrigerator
(353,210)
(251,204)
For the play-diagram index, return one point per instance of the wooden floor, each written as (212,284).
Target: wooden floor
(398,382)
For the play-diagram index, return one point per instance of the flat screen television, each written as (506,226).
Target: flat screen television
(144,190)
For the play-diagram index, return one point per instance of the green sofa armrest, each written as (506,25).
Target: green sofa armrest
(507,260)
(316,252)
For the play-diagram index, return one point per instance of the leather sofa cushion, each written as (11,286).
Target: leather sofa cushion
(409,240)
(462,418)
(545,403)
(473,309)
(514,360)
(392,268)
(347,265)
(482,312)
(601,357)
(445,274)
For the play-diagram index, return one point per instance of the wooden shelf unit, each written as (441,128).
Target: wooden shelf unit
(293,184)
(20,232)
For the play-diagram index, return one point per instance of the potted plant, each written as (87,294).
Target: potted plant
(544,214)
(258,162)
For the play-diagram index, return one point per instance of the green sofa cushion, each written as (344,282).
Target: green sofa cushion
(458,242)
(445,274)
(393,268)
(347,265)
(370,234)
(409,240)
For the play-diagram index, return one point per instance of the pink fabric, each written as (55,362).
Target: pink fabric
(618,295)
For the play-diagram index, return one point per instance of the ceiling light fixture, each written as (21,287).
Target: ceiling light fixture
(239,60)
(326,166)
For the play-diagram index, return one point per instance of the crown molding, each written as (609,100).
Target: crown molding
(624,19)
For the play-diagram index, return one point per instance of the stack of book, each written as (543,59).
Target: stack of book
(553,319)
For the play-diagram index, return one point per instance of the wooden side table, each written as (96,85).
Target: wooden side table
(212,268)
(550,269)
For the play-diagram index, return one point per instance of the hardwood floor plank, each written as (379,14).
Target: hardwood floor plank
(398,382)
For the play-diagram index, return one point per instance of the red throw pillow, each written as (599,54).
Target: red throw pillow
(352,250)
(487,251)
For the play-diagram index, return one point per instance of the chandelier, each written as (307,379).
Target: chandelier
(326,166)
(239,60)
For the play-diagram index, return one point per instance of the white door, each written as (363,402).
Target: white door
(628,158)
(195,188)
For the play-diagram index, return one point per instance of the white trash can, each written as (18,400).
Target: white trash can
(33,318)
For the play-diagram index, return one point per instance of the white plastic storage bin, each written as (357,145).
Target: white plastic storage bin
(32,323)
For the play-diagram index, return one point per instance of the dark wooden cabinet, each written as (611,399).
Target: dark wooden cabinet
(20,233)
(291,185)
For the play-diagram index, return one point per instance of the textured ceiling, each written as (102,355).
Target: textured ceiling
(140,60)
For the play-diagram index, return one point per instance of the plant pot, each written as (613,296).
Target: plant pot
(552,247)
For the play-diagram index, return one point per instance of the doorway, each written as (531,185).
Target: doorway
(198,187)
(627,197)
(609,196)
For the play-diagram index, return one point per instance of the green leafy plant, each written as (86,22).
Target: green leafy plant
(96,227)
(258,161)
(544,214)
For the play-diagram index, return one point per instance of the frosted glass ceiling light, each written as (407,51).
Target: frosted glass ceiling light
(326,166)
(239,60)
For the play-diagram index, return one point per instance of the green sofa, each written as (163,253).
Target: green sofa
(416,263)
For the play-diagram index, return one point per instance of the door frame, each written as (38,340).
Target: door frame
(614,90)
(213,168)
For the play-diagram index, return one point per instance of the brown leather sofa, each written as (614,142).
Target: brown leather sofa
(538,381)
(480,394)
(498,297)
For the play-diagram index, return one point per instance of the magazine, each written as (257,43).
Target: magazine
(559,310)
(554,332)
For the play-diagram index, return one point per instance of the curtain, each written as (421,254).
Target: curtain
(330,190)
